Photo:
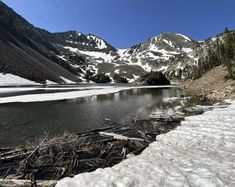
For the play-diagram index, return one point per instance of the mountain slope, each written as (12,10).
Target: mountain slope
(28,52)
(159,52)
(170,53)
(214,74)
(41,56)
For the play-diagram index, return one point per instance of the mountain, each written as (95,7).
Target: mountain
(170,53)
(27,53)
(38,55)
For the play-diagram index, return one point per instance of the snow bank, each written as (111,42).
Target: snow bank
(67,80)
(13,80)
(68,95)
(200,152)
(23,89)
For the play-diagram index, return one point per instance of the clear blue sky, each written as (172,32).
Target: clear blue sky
(124,23)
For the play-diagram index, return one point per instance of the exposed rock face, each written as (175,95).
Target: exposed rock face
(212,85)
(27,53)
(169,53)
(39,55)
(154,78)
(81,41)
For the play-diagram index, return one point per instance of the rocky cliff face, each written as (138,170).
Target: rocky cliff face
(39,55)
(81,41)
(171,53)
(166,53)
(26,52)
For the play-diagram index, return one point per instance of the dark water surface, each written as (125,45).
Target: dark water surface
(21,122)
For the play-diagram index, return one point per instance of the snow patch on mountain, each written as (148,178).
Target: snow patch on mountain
(99,42)
(159,53)
(185,37)
(14,80)
(187,50)
(103,57)
(48,82)
(168,42)
(67,81)
(72,49)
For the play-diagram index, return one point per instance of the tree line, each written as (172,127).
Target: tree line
(221,53)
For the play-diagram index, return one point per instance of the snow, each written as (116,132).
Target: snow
(14,80)
(131,80)
(213,39)
(99,42)
(95,54)
(117,71)
(98,55)
(163,68)
(48,82)
(72,49)
(62,57)
(80,92)
(187,50)
(145,66)
(191,55)
(200,152)
(93,68)
(67,80)
(165,54)
(180,66)
(23,89)
(121,52)
(75,66)
(185,37)
(153,56)
(168,42)
(134,79)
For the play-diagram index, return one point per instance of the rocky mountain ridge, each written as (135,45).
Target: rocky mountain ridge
(38,55)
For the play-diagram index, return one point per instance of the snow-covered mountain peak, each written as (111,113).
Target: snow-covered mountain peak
(170,41)
(70,54)
(100,43)
(162,53)
(86,42)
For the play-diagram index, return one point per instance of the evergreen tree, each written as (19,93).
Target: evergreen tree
(226,30)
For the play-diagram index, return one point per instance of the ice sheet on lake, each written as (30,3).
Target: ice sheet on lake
(68,95)
(200,152)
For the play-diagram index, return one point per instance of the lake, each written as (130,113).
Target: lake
(21,122)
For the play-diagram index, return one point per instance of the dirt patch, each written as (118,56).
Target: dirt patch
(212,85)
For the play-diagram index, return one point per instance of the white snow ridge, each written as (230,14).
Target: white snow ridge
(200,152)
(14,80)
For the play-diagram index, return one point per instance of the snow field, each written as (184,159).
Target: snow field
(200,152)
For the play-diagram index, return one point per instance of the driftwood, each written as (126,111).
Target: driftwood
(121,137)
(44,162)
(27,183)
(51,159)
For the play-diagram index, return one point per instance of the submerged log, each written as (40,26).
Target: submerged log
(27,183)
(121,137)
(70,154)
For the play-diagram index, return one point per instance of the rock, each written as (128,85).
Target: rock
(154,78)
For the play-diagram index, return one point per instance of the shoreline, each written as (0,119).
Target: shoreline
(72,95)
(192,155)
(213,85)
(138,133)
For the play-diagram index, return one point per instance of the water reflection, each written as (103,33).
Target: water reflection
(20,122)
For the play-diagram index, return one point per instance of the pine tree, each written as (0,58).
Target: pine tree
(226,30)
(229,54)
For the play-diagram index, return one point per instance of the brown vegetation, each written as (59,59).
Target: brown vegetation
(213,84)
(70,154)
